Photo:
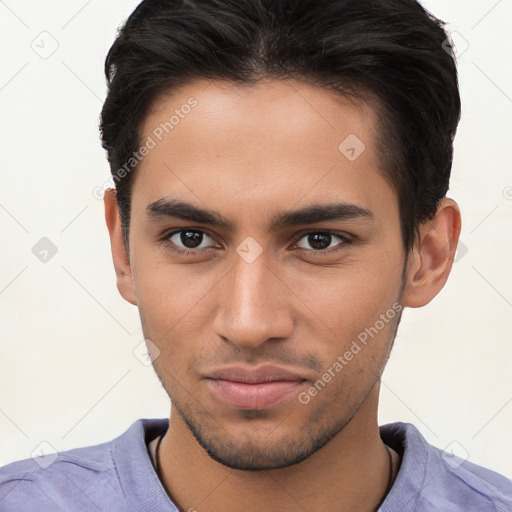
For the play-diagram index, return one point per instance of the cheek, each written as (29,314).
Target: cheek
(356,313)
(178,302)
(350,297)
(351,365)
(176,305)
(169,295)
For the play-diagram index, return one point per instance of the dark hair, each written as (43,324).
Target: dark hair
(391,51)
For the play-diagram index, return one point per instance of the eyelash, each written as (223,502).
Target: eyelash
(345,240)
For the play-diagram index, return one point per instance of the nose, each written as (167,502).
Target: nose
(255,305)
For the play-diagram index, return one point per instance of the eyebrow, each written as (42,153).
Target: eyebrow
(174,208)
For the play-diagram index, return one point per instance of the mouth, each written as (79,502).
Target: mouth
(254,388)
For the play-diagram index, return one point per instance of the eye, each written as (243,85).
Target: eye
(319,241)
(188,240)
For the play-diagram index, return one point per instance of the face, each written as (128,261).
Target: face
(266,261)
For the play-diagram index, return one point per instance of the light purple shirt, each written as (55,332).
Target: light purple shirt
(118,476)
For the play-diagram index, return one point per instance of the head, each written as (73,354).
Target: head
(280,197)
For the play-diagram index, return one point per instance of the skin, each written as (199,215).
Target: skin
(249,153)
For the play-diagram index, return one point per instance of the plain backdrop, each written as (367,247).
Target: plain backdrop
(69,371)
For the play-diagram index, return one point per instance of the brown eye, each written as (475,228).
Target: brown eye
(322,240)
(188,239)
(191,239)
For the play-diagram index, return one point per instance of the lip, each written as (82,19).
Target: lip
(254,388)
(258,375)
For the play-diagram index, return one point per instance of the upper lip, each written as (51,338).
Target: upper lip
(250,375)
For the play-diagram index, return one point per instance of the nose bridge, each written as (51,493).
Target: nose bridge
(253,306)
(251,281)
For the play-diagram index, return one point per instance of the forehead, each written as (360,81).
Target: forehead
(285,108)
(278,142)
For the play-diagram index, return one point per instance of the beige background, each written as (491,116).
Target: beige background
(68,374)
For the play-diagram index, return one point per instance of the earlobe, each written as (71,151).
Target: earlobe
(431,259)
(119,253)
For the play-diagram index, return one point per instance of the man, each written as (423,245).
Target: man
(281,169)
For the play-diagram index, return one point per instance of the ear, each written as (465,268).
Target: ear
(119,252)
(431,259)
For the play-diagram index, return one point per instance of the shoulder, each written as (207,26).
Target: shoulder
(434,479)
(54,480)
(78,479)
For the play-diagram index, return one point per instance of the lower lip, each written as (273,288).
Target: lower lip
(253,396)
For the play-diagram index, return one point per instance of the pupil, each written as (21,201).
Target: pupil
(189,239)
(320,240)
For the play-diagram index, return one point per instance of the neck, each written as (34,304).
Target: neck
(351,472)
